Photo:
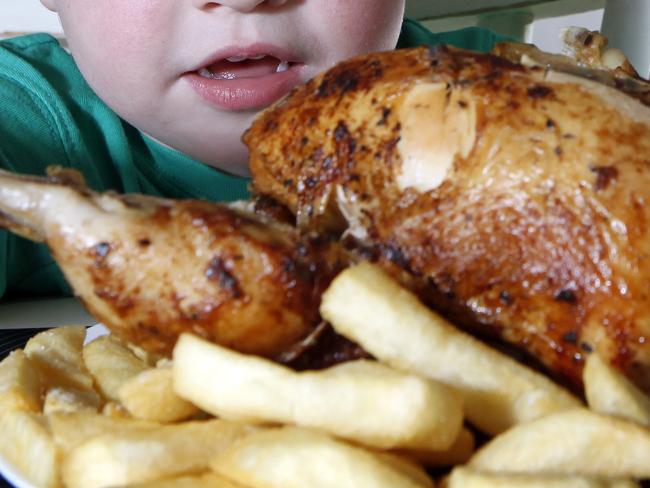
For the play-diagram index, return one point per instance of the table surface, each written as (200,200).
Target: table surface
(43,313)
(21,320)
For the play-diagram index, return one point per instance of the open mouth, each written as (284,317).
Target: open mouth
(239,67)
(246,81)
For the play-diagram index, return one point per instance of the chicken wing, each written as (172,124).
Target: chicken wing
(151,268)
(515,198)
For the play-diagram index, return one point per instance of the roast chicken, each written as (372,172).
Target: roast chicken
(510,195)
(151,268)
(511,198)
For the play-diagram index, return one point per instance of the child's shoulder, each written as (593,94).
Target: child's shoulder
(30,40)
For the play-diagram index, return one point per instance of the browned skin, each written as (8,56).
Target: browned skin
(151,269)
(539,235)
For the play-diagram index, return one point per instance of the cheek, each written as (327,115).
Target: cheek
(115,31)
(116,42)
(361,26)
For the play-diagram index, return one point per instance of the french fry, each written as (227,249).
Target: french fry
(115,410)
(208,480)
(608,391)
(58,399)
(111,364)
(362,400)
(150,395)
(297,458)
(365,305)
(467,478)
(20,385)
(56,355)
(143,455)
(459,453)
(70,430)
(573,442)
(28,446)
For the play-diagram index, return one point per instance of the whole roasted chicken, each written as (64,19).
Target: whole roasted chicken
(510,196)
(513,199)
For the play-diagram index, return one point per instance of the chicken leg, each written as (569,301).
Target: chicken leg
(151,268)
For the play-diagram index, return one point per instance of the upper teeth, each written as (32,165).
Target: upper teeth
(207,73)
(239,59)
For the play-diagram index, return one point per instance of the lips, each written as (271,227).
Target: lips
(246,78)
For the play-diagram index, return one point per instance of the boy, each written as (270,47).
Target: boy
(157,93)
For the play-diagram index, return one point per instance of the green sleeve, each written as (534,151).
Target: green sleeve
(29,140)
(474,38)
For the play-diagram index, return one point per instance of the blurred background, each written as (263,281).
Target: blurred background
(625,22)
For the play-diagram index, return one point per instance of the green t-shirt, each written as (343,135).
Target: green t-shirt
(49,115)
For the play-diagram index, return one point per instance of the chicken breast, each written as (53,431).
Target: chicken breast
(151,268)
(514,198)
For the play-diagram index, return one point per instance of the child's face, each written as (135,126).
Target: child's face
(163,64)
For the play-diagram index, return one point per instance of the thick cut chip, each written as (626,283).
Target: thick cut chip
(298,458)
(467,478)
(150,396)
(142,455)
(365,305)
(111,364)
(67,399)
(27,445)
(115,410)
(459,453)
(56,355)
(208,480)
(20,385)
(362,400)
(608,391)
(574,442)
(70,430)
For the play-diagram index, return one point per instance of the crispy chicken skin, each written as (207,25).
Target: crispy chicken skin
(515,198)
(151,268)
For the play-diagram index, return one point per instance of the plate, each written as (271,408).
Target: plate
(6,469)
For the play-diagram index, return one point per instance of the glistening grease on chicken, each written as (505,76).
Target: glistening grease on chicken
(514,197)
(151,268)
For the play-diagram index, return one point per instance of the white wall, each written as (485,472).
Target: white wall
(27,16)
(544,33)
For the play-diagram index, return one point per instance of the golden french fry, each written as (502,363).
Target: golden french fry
(111,364)
(608,391)
(362,400)
(28,446)
(142,455)
(148,358)
(70,430)
(20,385)
(573,442)
(459,453)
(292,457)
(56,355)
(58,399)
(467,478)
(150,396)
(208,480)
(115,410)
(364,304)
